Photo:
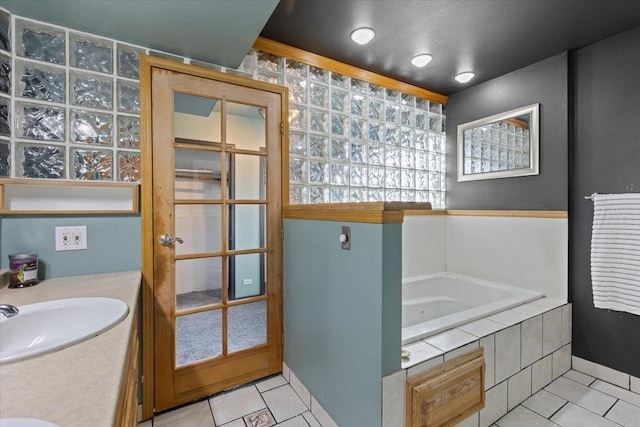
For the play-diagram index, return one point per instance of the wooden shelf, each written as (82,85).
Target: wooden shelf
(51,197)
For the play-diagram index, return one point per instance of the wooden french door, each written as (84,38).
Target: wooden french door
(217,233)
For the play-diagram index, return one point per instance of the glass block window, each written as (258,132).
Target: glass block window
(71,101)
(69,104)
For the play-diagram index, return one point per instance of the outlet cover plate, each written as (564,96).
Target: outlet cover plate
(71,238)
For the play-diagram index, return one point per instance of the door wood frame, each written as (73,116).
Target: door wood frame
(146,63)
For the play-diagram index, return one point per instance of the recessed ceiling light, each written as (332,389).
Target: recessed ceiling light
(363,35)
(421,60)
(465,77)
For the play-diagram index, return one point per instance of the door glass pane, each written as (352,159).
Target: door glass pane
(246,227)
(197,174)
(246,275)
(248,177)
(247,325)
(199,226)
(198,336)
(198,282)
(196,118)
(246,126)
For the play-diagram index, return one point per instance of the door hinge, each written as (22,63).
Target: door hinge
(281,128)
(283,234)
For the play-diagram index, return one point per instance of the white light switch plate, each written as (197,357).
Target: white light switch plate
(71,238)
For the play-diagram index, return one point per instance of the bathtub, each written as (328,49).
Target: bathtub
(437,302)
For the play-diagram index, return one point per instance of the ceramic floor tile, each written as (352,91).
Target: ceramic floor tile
(616,391)
(450,339)
(635,384)
(575,416)
(419,352)
(284,403)
(544,403)
(260,418)
(625,414)
(195,415)
(579,377)
(482,327)
(236,423)
(298,421)
(311,420)
(270,383)
(588,398)
(521,416)
(236,404)
(145,424)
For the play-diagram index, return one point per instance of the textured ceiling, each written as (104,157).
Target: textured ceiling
(489,37)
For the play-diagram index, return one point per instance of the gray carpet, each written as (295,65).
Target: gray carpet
(199,336)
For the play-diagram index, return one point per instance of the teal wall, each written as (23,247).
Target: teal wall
(113,243)
(342,320)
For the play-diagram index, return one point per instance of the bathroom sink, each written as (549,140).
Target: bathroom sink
(25,422)
(52,325)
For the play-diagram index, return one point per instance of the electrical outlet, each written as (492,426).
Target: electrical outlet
(71,238)
(247,282)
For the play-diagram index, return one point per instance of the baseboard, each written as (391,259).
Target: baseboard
(604,373)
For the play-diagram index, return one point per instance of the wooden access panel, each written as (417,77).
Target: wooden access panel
(448,393)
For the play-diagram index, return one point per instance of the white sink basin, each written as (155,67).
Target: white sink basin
(48,326)
(25,422)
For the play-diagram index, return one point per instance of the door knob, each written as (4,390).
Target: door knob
(166,240)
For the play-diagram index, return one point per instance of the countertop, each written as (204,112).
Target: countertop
(78,385)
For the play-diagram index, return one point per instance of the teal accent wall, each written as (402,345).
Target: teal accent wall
(113,244)
(342,320)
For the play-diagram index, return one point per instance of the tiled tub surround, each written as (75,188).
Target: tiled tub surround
(526,348)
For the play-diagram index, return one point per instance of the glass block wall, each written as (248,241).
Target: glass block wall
(69,109)
(69,104)
(352,141)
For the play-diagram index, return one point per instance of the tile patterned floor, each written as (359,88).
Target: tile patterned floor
(573,400)
(576,400)
(267,403)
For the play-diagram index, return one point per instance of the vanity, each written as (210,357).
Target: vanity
(91,383)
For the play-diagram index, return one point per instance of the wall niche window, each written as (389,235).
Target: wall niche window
(349,140)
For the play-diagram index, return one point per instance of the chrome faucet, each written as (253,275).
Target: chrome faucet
(9,310)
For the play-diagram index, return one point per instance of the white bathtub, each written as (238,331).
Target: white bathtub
(437,302)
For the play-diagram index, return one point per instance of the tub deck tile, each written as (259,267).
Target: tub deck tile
(419,352)
(451,339)
(482,327)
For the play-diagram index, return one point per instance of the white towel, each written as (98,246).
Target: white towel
(615,252)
